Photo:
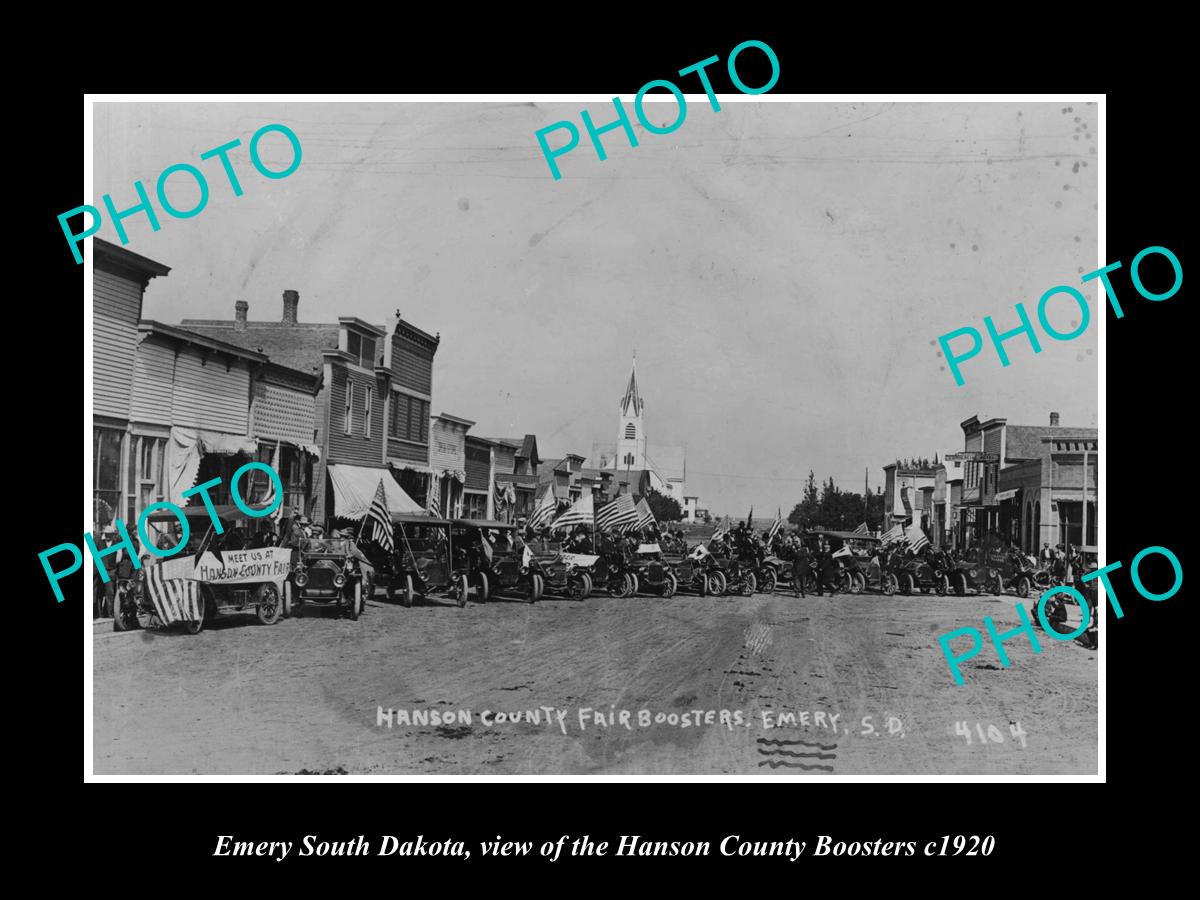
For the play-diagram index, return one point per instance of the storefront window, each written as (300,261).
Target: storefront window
(106,475)
(475,506)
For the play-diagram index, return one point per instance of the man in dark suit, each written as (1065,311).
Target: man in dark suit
(800,566)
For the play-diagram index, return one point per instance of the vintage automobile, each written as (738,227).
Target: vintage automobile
(563,574)
(925,572)
(737,576)
(426,562)
(853,552)
(695,572)
(495,561)
(327,571)
(654,572)
(1020,573)
(233,572)
(977,570)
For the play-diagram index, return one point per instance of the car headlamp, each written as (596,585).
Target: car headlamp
(339,580)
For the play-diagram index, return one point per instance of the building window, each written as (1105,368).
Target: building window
(106,474)
(361,348)
(630,432)
(148,477)
(367,416)
(474,506)
(628,459)
(349,406)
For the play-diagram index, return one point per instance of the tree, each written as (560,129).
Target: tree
(665,509)
(806,511)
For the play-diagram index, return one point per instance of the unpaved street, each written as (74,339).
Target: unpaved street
(303,695)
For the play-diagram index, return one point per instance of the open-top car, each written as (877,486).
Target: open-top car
(425,561)
(328,571)
(496,562)
(853,551)
(562,577)
(235,571)
(654,572)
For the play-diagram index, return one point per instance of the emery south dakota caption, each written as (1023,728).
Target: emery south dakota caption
(585,718)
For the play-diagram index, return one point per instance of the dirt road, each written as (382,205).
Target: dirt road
(305,695)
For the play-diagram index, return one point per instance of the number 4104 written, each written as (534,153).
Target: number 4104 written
(990,733)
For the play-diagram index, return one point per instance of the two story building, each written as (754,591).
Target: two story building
(120,464)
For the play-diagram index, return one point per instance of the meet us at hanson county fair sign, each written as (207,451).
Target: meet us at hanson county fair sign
(232,567)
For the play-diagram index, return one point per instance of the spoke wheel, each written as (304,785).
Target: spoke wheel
(749,584)
(269,607)
(1023,587)
(769,581)
(722,581)
(906,583)
(670,585)
(356,602)
(858,581)
(408,592)
(462,589)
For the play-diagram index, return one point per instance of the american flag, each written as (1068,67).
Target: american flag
(435,495)
(616,514)
(861,529)
(776,525)
(580,513)
(545,510)
(175,599)
(916,537)
(892,534)
(645,515)
(380,519)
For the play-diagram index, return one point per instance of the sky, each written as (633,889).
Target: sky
(782,270)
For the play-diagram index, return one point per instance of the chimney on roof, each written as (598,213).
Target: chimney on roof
(239,315)
(291,299)
(1053,420)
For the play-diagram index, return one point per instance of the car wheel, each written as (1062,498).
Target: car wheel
(906,583)
(269,606)
(670,585)
(408,592)
(356,602)
(858,581)
(535,587)
(481,587)
(578,588)
(749,585)
(589,585)
(463,589)
(1023,587)
(722,581)
(943,586)
(124,619)
(890,584)
(769,581)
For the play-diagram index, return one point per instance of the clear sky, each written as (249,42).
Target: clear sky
(782,269)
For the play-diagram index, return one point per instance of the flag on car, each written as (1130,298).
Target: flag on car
(916,537)
(895,533)
(526,556)
(843,552)
(750,518)
(545,509)
(619,512)
(776,525)
(861,529)
(175,599)
(380,519)
(645,515)
(581,513)
(700,552)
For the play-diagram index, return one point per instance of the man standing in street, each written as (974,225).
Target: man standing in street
(800,564)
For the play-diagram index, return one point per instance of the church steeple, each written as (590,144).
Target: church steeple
(631,432)
(631,403)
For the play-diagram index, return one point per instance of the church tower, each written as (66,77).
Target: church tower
(631,434)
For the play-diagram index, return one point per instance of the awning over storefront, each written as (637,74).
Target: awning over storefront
(186,447)
(411,466)
(354,488)
(1007,495)
(1068,495)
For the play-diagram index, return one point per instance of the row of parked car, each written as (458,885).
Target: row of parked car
(461,559)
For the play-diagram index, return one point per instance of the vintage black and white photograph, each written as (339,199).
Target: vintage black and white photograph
(426,444)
